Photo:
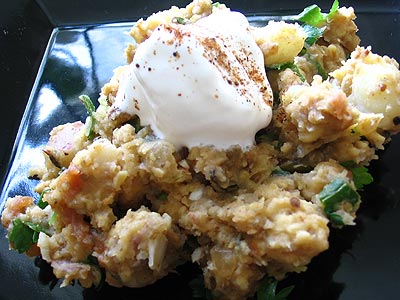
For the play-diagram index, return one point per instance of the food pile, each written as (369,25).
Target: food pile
(231,146)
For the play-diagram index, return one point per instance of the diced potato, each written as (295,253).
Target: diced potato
(280,42)
(372,85)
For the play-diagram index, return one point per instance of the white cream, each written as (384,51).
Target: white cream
(199,84)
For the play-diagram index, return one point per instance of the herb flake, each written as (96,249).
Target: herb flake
(162,196)
(24,234)
(321,71)
(90,108)
(53,218)
(101,278)
(41,203)
(267,290)
(312,34)
(180,20)
(313,16)
(279,172)
(333,194)
(361,175)
(289,65)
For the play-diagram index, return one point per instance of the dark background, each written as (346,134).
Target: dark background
(363,261)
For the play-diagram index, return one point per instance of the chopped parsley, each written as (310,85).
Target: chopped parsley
(101,279)
(24,234)
(162,196)
(320,69)
(53,218)
(313,20)
(135,122)
(361,176)
(312,34)
(292,166)
(335,193)
(313,16)
(265,136)
(288,65)
(267,290)
(42,204)
(180,20)
(279,172)
(90,108)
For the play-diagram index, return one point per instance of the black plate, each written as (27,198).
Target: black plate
(363,260)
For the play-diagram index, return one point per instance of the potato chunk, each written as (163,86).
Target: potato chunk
(372,85)
(280,42)
(140,248)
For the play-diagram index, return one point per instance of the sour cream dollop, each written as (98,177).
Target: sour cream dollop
(199,84)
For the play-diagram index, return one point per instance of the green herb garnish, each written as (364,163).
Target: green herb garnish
(52,219)
(90,108)
(313,19)
(321,71)
(267,290)
(265,136)
(335,193)
(162,196)
(279,172)
(289,65)
(361,176)
(292,166)
(179,20)
(313,16)
(135,122)
(312,34)
(24,234)
(333,10)
(42,204)
(93,261)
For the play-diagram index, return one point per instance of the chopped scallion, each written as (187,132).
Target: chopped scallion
(335,193)
(90,108)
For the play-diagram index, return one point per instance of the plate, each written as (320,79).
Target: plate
(363,260)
